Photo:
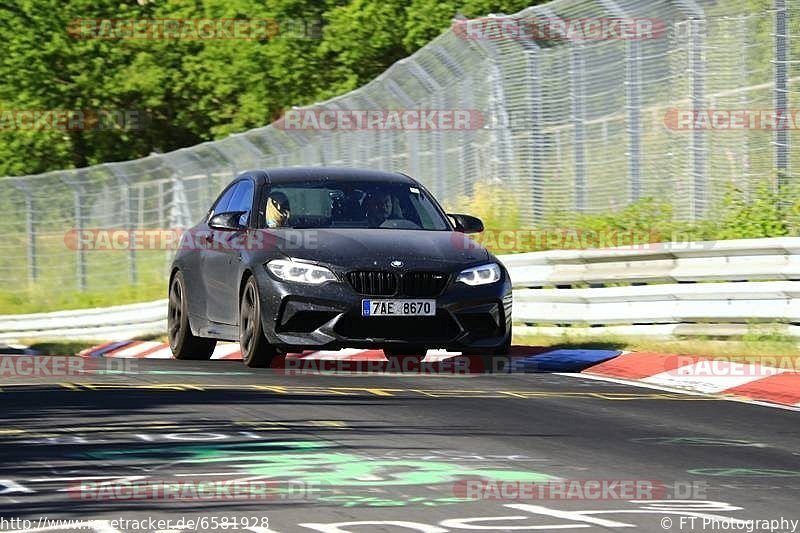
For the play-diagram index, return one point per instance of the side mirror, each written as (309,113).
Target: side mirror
(466,223)
(230,221)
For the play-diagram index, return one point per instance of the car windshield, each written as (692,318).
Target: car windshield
(351,204)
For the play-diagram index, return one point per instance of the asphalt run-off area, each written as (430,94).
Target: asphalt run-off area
(165,445)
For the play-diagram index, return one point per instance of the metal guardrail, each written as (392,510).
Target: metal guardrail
(719,287)
(118,322)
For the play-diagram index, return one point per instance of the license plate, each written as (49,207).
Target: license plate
(398,307)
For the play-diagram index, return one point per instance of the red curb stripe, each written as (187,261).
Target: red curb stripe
(367,355)
(124,347)
(641,365)
(780,388)
(88,352)
(151,350)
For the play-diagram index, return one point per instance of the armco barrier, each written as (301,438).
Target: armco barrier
(719,288)
(119,322)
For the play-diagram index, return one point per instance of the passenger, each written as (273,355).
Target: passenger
(278,210)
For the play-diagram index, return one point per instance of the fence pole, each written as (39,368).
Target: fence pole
(438,146)
(412,142)
(577,66)
(535,123)
(466,140)
(30,230)
(127,197)
(633,103)
(77,192)
(781,95)
(697,69)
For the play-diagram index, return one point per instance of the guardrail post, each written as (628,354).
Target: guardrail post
(781,95)
(30,230)
(77,192)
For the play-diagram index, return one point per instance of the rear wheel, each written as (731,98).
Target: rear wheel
(256,351)
(182,342)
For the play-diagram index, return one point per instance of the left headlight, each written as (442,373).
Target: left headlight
(480,275)
(300,272)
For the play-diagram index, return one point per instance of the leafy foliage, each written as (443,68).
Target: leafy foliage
(195,90)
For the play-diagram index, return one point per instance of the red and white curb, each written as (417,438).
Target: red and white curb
(754,381)
(744,381)
(227,350)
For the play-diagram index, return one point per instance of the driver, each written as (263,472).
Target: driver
(382,207)
(278,210)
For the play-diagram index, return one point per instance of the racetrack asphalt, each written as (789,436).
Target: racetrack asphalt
(393,451)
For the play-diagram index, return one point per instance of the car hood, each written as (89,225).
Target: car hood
(377,248)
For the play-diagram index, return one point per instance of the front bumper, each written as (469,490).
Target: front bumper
(298,316)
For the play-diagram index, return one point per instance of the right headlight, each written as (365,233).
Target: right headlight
(480,275)
(300,272)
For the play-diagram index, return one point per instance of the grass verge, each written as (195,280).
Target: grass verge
(748,348)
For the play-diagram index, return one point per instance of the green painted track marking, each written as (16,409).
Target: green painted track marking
(308,462)
(743,472)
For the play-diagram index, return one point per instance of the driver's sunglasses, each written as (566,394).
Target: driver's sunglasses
(283,206)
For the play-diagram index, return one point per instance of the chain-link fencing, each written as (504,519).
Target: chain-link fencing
(568,114)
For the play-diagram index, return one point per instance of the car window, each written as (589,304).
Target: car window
(221,205)
(242,200)
(356,204)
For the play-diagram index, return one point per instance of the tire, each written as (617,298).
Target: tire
(256,351)
(493,360)
(182,342)
(505,348)
(414,354)
(412,350)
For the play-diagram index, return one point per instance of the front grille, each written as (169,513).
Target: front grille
(373,282)
(412,284)
(418,284)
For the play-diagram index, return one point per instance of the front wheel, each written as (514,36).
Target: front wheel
(256,351)
(182,342)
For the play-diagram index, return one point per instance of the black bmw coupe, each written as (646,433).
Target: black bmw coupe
(294,259)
